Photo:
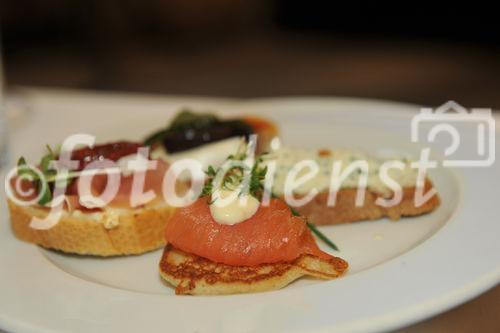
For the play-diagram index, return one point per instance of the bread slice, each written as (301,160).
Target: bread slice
(136,231)
(194,275)
(345,210)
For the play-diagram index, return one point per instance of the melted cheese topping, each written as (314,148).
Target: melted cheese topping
(287,158)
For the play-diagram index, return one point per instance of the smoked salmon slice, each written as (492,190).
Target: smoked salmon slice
(272,235)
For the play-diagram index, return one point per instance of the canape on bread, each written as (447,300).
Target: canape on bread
(344,209)
(118,228)
(207,137)
(231,240)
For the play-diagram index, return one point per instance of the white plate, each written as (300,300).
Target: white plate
(400,272)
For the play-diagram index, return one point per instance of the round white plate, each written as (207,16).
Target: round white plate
(400,272)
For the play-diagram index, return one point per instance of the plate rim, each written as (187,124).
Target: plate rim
(444,302)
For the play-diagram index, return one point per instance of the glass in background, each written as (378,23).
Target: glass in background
(3,121)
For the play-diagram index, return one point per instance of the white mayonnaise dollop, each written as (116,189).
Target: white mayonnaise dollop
(230,208)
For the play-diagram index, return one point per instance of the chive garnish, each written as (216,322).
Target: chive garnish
(322,236)
(318,233)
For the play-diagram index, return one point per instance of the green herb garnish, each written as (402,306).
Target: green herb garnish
(39,178)
(316,231)
(236,175)
(44,178)
(322,236)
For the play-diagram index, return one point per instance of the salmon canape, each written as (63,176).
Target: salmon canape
(242,245)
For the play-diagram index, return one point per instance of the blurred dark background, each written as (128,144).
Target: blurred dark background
(414,52)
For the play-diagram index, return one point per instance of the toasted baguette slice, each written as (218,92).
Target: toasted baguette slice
(136,230)
(194,275)
(345,210)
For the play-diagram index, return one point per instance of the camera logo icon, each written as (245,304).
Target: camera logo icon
(449,119)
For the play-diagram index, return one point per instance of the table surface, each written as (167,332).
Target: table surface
(478,315)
